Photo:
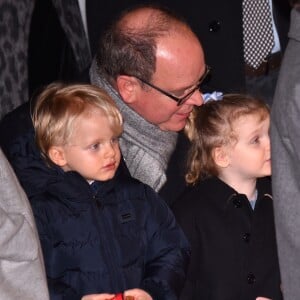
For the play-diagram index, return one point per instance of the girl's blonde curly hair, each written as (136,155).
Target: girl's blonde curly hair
(211,126)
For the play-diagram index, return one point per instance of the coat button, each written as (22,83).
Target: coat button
(251,278)
(246,237)
(97,201)
(214,26)
(237,203)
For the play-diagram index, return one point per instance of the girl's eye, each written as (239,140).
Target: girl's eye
(255,140)
(95,146)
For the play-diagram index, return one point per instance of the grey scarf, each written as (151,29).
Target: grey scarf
(145,148)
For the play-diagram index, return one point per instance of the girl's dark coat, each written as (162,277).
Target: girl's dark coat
(234,254)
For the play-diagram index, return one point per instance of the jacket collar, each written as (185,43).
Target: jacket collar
(219,189)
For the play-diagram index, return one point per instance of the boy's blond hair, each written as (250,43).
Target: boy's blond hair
(59,105)
(212,126)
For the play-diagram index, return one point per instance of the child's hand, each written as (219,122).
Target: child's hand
(98,297)
(136,294)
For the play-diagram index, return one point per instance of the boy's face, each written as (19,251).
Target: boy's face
(93,149)
(250,157)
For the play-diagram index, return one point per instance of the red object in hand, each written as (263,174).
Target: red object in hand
(118,297)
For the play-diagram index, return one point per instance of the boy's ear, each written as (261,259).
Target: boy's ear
(126,85)
(221,157)
(57,155)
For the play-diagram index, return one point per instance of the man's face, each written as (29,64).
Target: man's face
(179,66)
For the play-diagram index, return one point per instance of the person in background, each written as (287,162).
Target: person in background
(227,211)
(102,232)
(22,272)
(285,140)
(30,32)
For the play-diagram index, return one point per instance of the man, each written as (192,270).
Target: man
(22,273)
(152,64)
(285,139)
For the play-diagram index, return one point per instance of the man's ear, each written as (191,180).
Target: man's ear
(221,157)
(57,155)
(127,85)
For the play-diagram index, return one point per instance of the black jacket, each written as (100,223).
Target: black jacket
(234,254)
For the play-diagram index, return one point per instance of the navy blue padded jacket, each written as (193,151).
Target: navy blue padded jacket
(117,236)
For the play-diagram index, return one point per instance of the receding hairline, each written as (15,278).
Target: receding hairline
(153,19)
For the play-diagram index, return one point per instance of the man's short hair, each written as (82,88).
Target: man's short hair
(125,50)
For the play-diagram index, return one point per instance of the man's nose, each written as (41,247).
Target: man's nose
(195,99)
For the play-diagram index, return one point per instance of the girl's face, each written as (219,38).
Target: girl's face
(250,156)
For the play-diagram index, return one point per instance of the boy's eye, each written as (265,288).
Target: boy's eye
(255,140)
(115,140)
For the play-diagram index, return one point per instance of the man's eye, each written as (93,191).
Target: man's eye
(179,94)
(187,92)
